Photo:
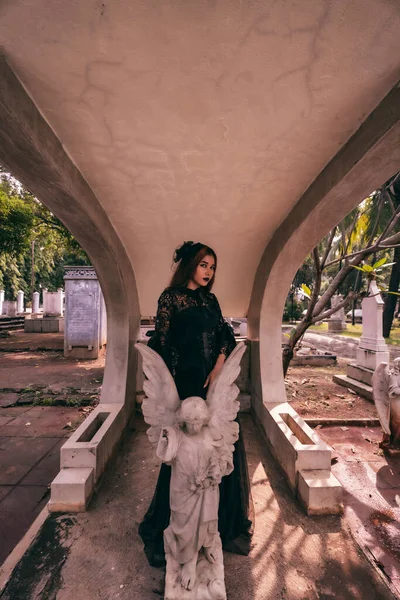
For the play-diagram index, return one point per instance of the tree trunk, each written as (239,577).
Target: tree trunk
(391,299)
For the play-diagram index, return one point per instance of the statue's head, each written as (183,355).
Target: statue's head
(193,414)
(396,365)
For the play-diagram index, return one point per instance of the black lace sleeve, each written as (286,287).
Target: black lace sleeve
(160,340)
(225,336)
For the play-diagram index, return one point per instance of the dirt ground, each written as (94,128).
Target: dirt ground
(313,394)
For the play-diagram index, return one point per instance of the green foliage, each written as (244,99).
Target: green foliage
(26,227)
(16,221)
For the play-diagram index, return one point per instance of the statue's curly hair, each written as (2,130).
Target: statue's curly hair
(198,404)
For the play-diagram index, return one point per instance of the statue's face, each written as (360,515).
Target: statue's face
(194,425)
(194,414)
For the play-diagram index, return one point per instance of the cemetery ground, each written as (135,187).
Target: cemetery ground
(98,554)
(43,398)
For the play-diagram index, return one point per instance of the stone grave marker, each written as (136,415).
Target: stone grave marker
(337,321)
(372,349)
(85,314)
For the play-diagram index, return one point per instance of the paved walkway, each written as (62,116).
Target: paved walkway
(372,494)
(30,442)
(98,555)
(33,369)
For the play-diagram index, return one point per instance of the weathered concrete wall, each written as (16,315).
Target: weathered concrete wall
(202,120)
(32,152)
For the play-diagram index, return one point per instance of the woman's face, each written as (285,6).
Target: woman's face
(204,272)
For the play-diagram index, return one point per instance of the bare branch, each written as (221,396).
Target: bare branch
(328,247)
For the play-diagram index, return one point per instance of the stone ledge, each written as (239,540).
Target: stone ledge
(93,443)
(297,448)
(320,493)
(362,389)
(87,450)
(71,490)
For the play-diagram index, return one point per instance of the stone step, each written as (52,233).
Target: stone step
(359,373)
(320,492)
(6,320)
(362,389)
(12,326)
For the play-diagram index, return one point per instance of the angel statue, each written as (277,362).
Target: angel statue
(386,392)
(196,438)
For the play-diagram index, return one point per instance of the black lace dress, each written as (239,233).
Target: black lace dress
(190,333)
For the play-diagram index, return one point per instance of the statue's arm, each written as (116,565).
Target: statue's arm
(168,444)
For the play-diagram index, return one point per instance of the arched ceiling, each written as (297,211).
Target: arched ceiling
(202,120)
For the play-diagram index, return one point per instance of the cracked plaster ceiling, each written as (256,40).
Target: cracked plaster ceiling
(202,120)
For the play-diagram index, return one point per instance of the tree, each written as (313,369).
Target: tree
(344,250)
(34,244)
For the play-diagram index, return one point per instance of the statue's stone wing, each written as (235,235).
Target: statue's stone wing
(380,389)
(162,400)
(222,398)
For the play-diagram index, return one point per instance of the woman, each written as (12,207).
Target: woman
(194,341)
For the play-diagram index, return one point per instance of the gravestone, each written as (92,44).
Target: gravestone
(35,302)
(337,321)
(53,303)
(85,314)
(10,308)
(1,301)
(372,349)
(20,302)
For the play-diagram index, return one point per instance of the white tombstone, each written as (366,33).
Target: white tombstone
(337,321)
(372,349)
(10,307)
(20,302)
(52,303)
(1,301)
(35,302)
(85,315)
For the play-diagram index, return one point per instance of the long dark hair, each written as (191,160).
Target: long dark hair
(188,256)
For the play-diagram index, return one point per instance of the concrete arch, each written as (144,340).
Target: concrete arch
(368,159)
(32,152)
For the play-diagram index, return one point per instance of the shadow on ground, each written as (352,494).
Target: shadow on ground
(101,557)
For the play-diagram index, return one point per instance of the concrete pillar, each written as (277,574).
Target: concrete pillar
(1,301)
(35,302)
(20,302)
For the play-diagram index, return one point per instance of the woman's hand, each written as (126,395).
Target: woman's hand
(216,370)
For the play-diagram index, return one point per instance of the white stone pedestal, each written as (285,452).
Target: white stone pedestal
(210,584)
(20,302)
(35,303)
(372,349)
(1,301)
